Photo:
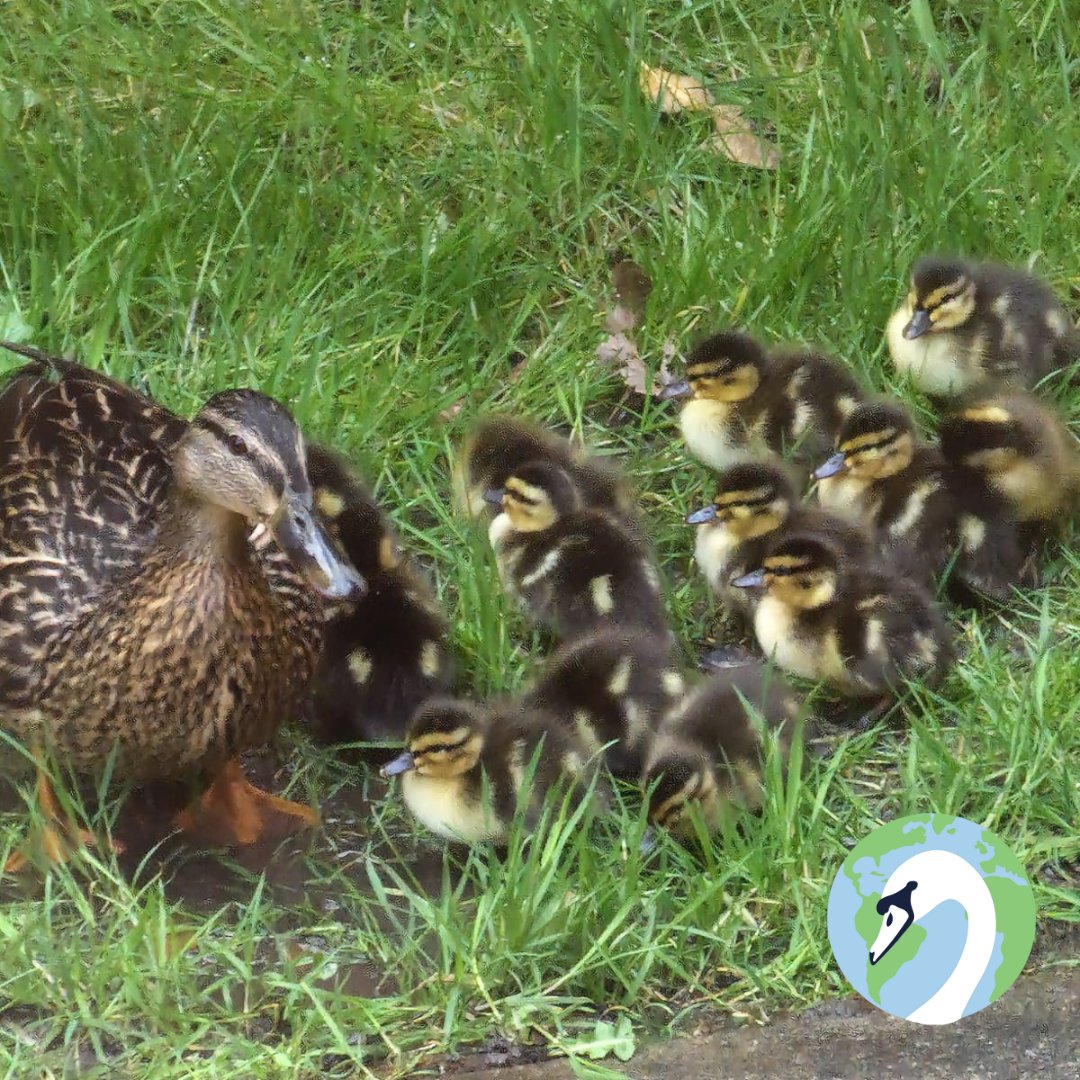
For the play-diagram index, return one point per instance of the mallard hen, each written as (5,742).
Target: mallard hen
(137,617)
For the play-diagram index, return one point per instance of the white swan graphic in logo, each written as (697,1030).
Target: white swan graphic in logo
(918,886)
(931,918)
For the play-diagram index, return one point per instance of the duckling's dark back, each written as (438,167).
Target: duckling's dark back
(388,653)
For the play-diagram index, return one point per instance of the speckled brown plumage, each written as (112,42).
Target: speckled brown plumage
(132,619)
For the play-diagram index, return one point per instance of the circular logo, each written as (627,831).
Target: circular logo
(931,918)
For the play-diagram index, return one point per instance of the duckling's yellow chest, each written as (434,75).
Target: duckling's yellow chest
(847,496)
(712,432)
(813,656)
(716,550)
(1033,494)
(938,363)
(450,808)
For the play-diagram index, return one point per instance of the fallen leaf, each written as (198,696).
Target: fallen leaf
(620,351)
(735,139)
(674,93)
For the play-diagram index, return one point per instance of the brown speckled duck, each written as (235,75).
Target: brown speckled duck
(160,587)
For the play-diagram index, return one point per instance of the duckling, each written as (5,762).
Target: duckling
(574,569)
(745,401)
(755,502)
(963,322)
(497,445)
(466,768)
(860,629)
(1022,449)
(708,752)
(611,687)
(928,516)
(386,653)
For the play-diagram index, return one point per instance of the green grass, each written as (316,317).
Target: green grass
(364,209)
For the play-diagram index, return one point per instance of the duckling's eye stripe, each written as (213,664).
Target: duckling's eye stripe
(760,497)
(521,497)
(873,440)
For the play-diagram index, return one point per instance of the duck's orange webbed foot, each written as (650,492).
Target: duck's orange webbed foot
(59,834)
(233,811)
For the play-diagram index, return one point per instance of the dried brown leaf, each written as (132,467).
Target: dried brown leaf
(735,139)
(620,351)
(674,93)
(632,287)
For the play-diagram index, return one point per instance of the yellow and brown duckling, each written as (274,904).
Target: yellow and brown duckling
(755,503)
(386,653)
(965,322)
(139,627)
(1022,449)
(498,445)
(469,768)
(707,755)
(745,401)
(859,629)
(611,687)
(573,568)
(928,515)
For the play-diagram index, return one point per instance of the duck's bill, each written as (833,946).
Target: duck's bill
(648,841)
(918,324)
(305,543)
(831,467)
(403,763)
(493,496)
(699,517)
(679,388)
(752,580)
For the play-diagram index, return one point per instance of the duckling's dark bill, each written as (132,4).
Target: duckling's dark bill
(752,580)
(403,763)
(648,841)
(494,496)
(699,517)
(677,389)
(918,324)
(309,549)
(831,467)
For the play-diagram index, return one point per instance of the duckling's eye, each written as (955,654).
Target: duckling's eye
(237,445)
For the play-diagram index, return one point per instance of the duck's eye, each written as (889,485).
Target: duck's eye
(237,445)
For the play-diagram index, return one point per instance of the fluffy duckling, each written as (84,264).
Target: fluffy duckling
(387,653)
(573,568)
(860,629)
(1022,449)
(963,322)
(754,502)
(708,752)
(611,687)
(745,401)
(467,767)
(928,515)
(498,445)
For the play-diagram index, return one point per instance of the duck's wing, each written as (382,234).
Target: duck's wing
(84,468)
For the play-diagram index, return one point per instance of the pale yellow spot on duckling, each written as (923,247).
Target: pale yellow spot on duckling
(572,763)
(652,575)
(619,682)
(636,722)
(583,724)
(926,648)
(972,532)
(388,556)
(1057,323)
(673,683)
(360,666)
(602,597)
(429,659)
(914,508)
(1000,306)
(517,764)
(329,503)
(988,414)
(875,638)
(845,403)
(803,418)
(546,565)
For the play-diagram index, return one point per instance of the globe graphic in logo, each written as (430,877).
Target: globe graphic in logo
(931,918)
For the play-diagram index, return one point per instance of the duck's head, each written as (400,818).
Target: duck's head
(444,740)
(727,367)
(243,454)
(752,498)
(877,440)
(536,495)
(800,571)
(991,436)
(942,296)
(681,782)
